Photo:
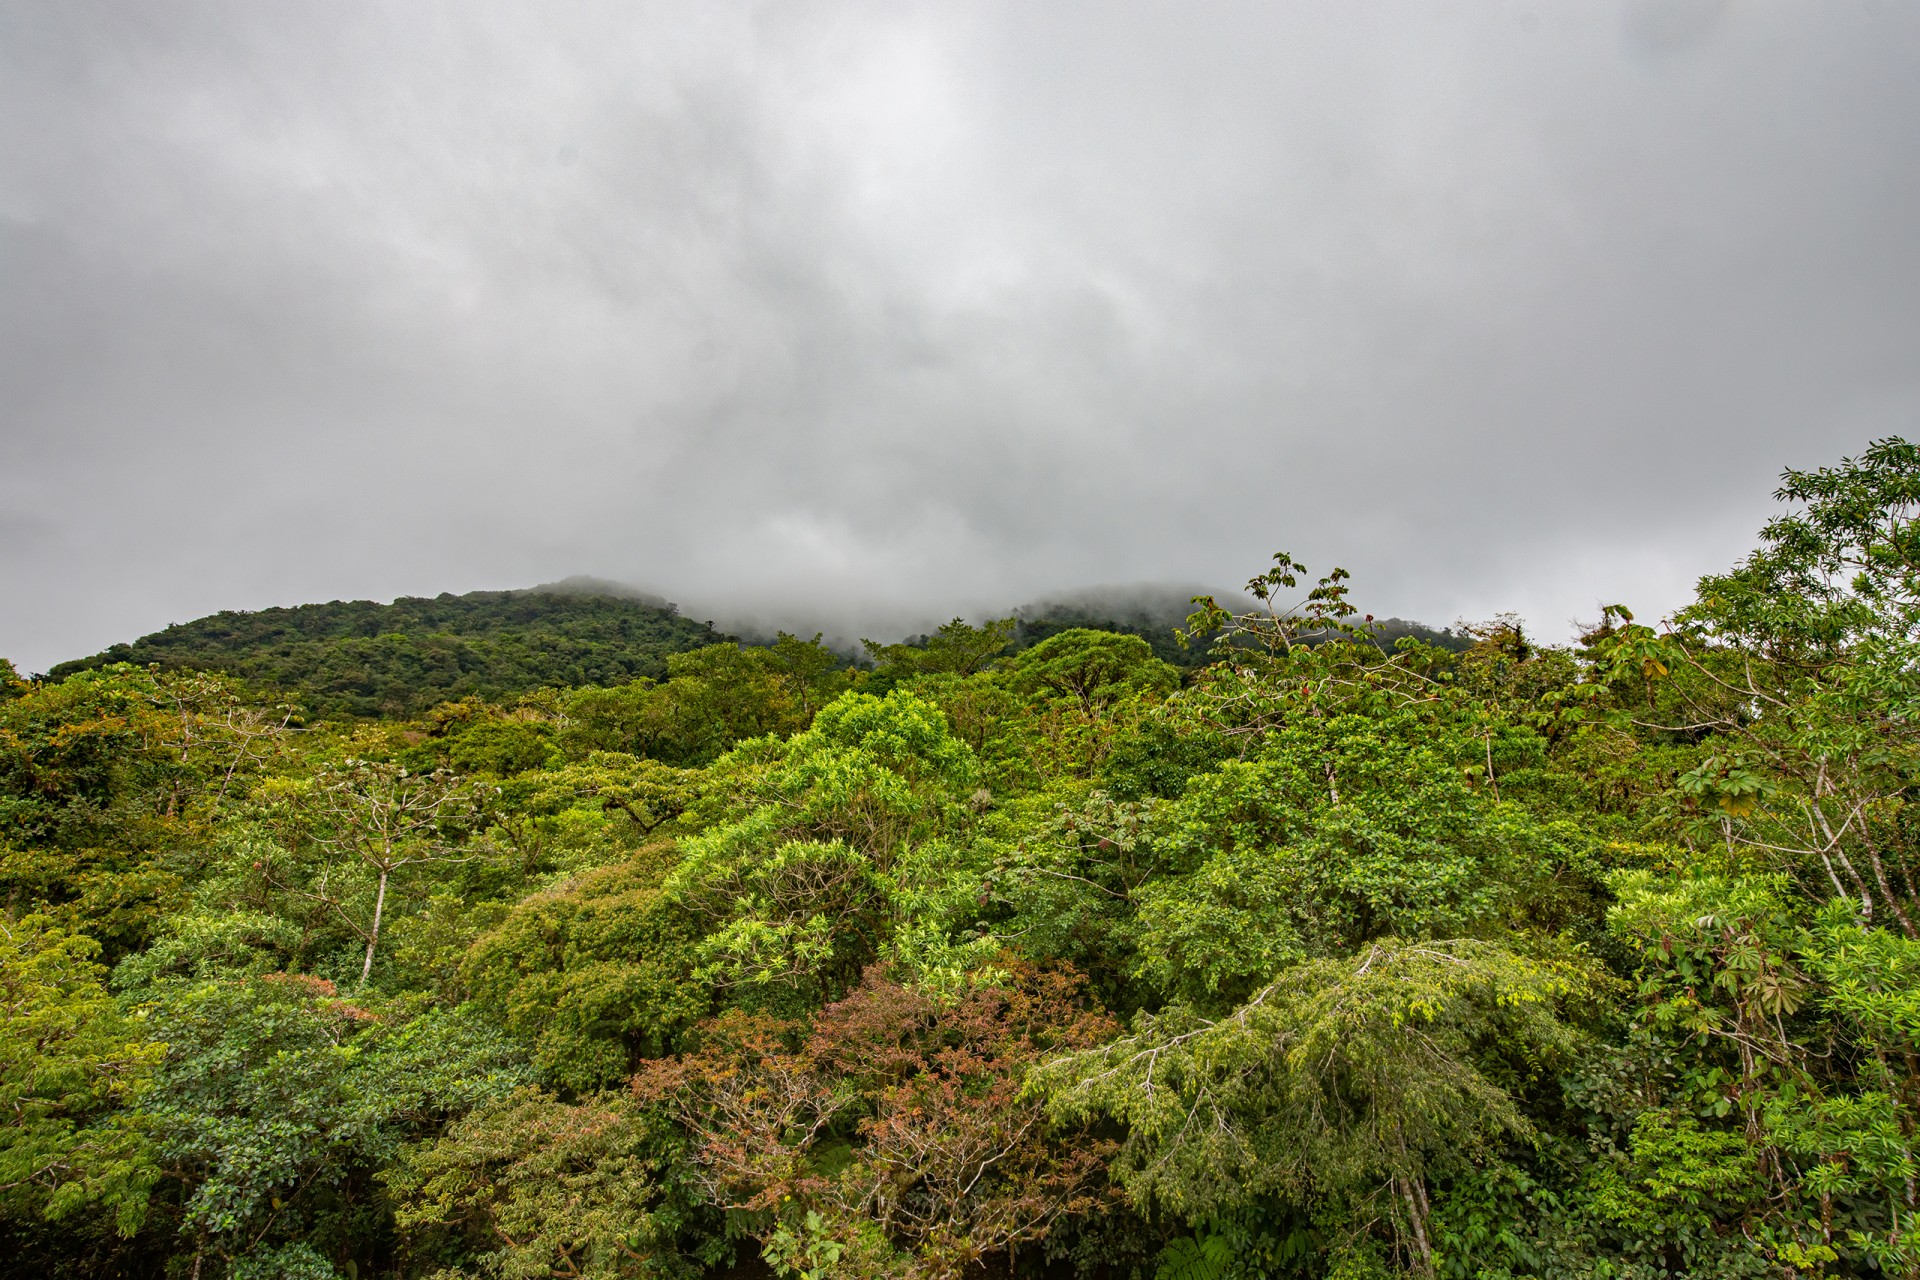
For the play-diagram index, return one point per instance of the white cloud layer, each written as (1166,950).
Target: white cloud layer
(880,312)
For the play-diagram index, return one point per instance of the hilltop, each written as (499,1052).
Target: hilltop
(359,657)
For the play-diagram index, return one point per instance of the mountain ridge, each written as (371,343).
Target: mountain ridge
(366,658)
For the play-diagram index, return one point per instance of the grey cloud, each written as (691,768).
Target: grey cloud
(866,314)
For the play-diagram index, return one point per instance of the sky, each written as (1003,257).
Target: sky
(863,315)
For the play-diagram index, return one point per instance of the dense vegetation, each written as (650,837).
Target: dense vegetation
(1320,960)
(355,657)
(1157,617)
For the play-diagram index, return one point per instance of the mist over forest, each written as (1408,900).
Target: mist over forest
(856,317)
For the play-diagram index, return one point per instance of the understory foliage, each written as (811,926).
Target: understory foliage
(414,941)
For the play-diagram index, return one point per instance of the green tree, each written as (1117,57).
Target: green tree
(1804,661)
(811,674)
(1094,669)
(1344,1082)
(528,1185)
(68,1058)
(277,1099)
(809,864)
(596,973)
(956,648)
(386,819)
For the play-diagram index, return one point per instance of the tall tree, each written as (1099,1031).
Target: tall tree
(387,819)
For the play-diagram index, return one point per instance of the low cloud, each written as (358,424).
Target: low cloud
(881,313)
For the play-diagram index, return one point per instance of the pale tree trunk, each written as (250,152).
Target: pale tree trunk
(373,934)
(1414,1192)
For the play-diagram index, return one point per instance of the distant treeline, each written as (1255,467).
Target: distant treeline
(360,658)
(1037,623)
(356,657)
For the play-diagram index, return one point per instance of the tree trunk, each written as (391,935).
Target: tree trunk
(373,934)
(1415,1195)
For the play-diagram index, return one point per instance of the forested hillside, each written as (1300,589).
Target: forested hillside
(1331,959)
(356,657)
(359,658)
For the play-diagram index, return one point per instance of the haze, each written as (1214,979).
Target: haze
(869,314)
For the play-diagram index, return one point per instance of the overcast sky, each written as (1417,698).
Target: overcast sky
(890,311)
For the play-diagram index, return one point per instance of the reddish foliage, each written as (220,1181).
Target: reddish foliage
(896,1109)
(322,989)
